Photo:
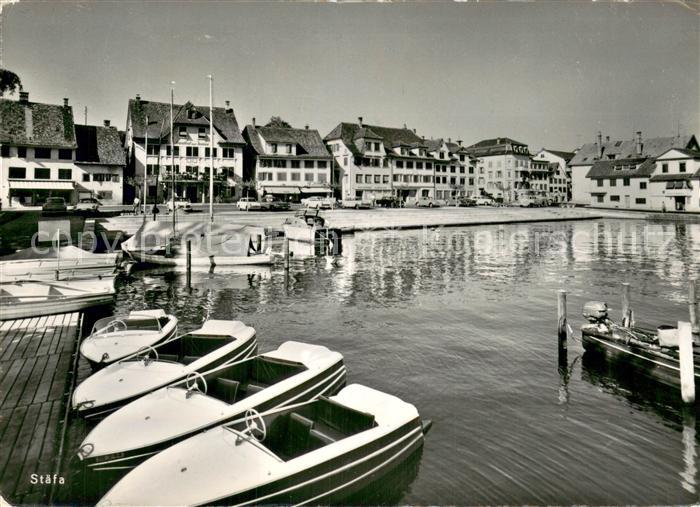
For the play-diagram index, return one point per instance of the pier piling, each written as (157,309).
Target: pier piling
(693,305)
(561,318)
(626,310)
(286,252)
(189,264)
(685,353)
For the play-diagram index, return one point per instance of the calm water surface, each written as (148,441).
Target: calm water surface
(461,323)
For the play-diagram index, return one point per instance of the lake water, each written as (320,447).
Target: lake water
(461,322)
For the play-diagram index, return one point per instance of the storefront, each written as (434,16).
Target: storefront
(35,193)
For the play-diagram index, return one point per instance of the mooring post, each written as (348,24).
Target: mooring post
(286,252)
(626,311)
(189,255)
(693,305)
(561,318)
(685,353)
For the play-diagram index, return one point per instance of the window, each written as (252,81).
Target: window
(273,147)
(202,132)
(65,154)
(399,164)
(228,152)
(640,200)
(206,152)
(22,151)
(377,178)
(368,178)
(296,164)
(416,179)
(428,165)
(308,164)
(322,178)
(613,182)
(625,182)
(358,178)
(86,176)
(295,176)
(664,168)
(281,176)
(65,174)
(279,163)
(42,173)
(681,167)
(385,179)
(345,161)
(321,164)
(409,164)
(42,152)
(614,198)
(17,173)
(599,198)
(5,150)
(176,149)
(192,151)
(182,131)
(397,177)
(419,165)
(289,149)
(309,176)
(642,185)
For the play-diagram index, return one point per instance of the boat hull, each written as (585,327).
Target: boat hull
(28,310)
(305,234)
(219,260)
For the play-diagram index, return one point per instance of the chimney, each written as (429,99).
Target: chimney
(65,101)
(599,144)
(449,139)
(306,127)
(24,97)
(459,142)
(253,121)
(638,142)
(106,123)
(138,98)
(359,121)
(414,131)
(607,139)
(228,107)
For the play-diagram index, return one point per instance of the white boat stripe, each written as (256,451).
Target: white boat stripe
(633,354)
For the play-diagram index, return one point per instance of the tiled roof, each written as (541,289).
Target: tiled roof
(566,155)
(496,146)
(158,114)
(391,137)
(687,152)
(99,145)
(624,168)
(35,124)
(652,147)
(674,177)
(308,140)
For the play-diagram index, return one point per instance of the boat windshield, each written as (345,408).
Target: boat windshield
(133,322)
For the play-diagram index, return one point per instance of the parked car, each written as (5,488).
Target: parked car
(182,204)
(465,202)
(87,205)
(426,202)
(248,203)
(319,202)
(357,203)
(54,205)
(271,203)
(485,201)
(389,202)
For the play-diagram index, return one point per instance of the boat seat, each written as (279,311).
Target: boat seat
(226,390)
(169,357)
(297,436)
(318,439)
(189,359)
(252,388)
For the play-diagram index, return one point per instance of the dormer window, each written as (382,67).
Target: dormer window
(289,148)
(202,132)
(182,131)
(273,147)
(192,114)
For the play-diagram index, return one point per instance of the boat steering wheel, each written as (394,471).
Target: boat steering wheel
(192,383)
(255,425)
(144,354)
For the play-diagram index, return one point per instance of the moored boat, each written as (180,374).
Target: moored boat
(25,299)
(117,337)
(293,373)
(57,263)
(307,226)
(316,452)
(215,343)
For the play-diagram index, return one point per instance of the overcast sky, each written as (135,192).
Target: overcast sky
(545,73)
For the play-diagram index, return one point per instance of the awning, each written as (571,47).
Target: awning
(281,190)
(41,185)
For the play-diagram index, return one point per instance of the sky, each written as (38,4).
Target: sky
(547,73)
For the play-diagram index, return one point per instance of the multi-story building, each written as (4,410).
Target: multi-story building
(669,182)
(376,162)
(502,167)
(287,162)
(44,154)
(559,173)
(188,165)
(582,186)
(454,169)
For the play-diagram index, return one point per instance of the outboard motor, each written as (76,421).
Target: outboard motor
(595,312)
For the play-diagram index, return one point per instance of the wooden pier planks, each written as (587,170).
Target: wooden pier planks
(35,366)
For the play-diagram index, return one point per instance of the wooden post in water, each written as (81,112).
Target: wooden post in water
(693,306)
(561,317)
(626,311)
(685,354)
(286,252)
(189,264)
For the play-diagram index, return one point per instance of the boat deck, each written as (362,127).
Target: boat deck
(37,357)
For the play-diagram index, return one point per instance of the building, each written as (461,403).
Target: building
(454,169)
(559,177)
(287,162)
(44,154)
(584,159)
(375,162)
(669,182)
(190,160)
(502,167)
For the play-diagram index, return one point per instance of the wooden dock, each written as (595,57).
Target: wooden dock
(36,364)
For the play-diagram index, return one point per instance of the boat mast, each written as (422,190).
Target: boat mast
(145,173)
(211,148)
(172,152)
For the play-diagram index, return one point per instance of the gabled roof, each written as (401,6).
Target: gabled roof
(623,168)
(308,140)
(158,114)
(674,177)
(391,137)
(496,146)
(36,124)
(566,155)
(652,147)
(99,145)
(694,154)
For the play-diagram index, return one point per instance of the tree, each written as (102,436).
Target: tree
(9,82)
(277,121)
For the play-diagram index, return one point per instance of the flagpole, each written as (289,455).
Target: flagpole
(211,147)
(145,173)
(172,152)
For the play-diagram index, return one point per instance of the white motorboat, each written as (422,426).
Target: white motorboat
(293,373)
(57,263)
(304,226)
(215,343)
(24,299)
(317,452)
(114,338)
(211,244)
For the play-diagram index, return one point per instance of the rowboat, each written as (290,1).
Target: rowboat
(293,373)
(210,244)
(116,337)
(57,263)
(24,299)
(215,343)
(317,452)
